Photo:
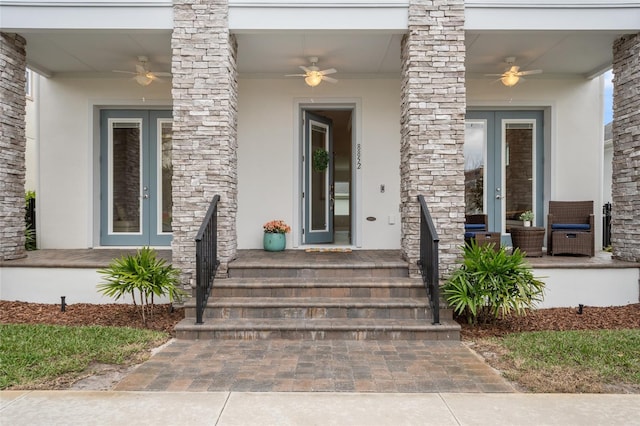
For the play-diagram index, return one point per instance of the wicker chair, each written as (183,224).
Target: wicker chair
(476,227)
(570,228)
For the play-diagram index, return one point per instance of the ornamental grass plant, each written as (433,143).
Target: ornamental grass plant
(490,284)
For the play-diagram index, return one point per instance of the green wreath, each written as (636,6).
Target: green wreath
(320,160)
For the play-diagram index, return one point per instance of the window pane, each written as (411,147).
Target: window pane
(318,182)
(126,177)
(518,169)
(474,143)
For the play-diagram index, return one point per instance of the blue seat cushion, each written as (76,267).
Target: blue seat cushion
(468,235)
(474,227)
(571,226)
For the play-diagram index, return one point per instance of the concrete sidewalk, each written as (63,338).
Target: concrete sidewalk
(273,408)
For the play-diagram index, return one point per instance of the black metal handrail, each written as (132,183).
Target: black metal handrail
(428,261)
(206,257)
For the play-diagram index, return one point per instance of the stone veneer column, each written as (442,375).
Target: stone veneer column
(432,126)
(204,128)
(13,143)
(625,223)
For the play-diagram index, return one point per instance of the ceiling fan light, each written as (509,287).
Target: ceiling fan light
(313,79)
(510,80)
(143,79)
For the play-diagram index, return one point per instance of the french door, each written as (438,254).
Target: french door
(136,171)
(318,177)
(504,163)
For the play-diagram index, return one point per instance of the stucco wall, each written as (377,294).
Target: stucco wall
(67,198)
(268,172)
(68,153)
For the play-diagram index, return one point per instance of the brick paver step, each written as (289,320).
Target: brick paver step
(315,307)
(319,287)
(318,329)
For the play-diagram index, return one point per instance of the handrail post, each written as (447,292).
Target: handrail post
(429,260)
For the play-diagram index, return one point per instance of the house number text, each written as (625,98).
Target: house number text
(358,157)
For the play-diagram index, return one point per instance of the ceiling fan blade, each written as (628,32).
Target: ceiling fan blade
(328,71)
(163,74)
(305,69)
(530,72)
(295,75)
(329,79)
(140,69)
(494,75)
(124,72)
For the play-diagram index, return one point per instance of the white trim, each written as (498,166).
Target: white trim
(309,165)
(355,104)
(141,137)
(159,157)
(503,127)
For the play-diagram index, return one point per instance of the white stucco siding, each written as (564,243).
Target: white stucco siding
(269,175)
(68,153)
(573,132)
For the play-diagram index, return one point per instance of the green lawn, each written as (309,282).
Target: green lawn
(33,355)
(574,361)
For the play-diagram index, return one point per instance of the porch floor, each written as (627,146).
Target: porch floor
(100,258)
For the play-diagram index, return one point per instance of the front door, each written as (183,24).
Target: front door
(318,176)
(136,171)
(504,166)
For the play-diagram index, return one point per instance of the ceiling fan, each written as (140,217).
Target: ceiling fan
(142,75)
(313,75)
(512,75)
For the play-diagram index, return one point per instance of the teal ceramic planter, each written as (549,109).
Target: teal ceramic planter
(274,242)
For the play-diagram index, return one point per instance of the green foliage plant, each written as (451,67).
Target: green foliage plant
(490,284)
(320,160)
(142,274)
(527,216)
(30,238)
(29,232)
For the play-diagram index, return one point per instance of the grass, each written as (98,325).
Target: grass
(573,361)
(33,356)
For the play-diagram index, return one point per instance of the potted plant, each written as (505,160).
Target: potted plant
(274,235)
(527,217)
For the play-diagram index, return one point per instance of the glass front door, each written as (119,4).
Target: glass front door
(136,176)
(319,185)
(504,166)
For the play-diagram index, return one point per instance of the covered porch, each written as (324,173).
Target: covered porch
(45,275)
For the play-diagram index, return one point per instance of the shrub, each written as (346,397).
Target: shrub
(490,284)
(143,274)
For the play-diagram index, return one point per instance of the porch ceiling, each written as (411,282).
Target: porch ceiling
(93,53)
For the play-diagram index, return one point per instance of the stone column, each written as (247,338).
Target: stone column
(13,144)
(625,221)
(432,125)
(204,128)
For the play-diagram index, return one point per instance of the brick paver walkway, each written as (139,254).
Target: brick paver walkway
(320,366)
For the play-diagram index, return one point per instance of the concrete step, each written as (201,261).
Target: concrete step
(318,287)
(314,307)
(318,329)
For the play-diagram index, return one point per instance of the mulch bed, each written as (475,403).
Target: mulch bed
(164,319)
(115,315)
(592,318)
